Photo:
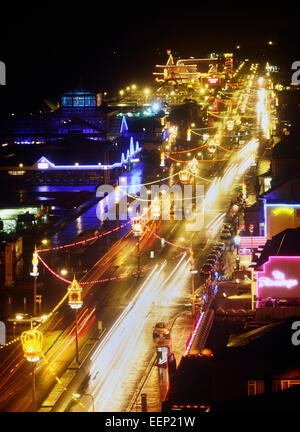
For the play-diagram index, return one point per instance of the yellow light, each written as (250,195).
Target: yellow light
(44,241)
(21,165)
(64,272)
(32,345)
(133,87)
(270,43)
(146,91)
(121,92)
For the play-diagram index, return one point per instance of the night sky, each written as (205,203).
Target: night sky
(50,49)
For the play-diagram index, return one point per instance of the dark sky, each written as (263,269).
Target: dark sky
(51,48)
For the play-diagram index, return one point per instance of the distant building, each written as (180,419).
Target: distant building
(78,112)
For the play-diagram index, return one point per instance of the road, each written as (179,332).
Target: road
(130,306)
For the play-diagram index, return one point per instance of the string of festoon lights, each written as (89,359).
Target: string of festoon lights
(198,160)
(69,245)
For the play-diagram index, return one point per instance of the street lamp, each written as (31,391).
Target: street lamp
(32,346)
(75,302)
(138,232)
(35,274)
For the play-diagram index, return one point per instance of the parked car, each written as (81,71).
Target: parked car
(206,268)
(161,329)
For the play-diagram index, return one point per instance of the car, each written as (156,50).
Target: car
(210,261)
(225,235)
(213,256)
(206,268)
(161,329)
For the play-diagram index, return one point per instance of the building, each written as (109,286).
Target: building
(78,112)
(258,363)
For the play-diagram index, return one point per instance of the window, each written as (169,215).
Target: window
(251,388)
(289,383)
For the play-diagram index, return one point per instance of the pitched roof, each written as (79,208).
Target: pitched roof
(286,243)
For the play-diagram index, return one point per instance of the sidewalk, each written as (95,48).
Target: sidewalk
(156,384)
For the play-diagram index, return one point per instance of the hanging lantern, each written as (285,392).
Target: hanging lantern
(32,345)
(184,177)
(137,226)
(193,166)
(156,208)
(75,295)
(35,262)
(188,134)
(238,120)
(162,159)
(230,125)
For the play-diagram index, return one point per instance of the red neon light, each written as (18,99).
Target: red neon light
(213,80)
(279,278)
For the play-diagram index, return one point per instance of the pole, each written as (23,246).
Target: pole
(139,257)
(77,350)
(33,389)
(144,402)
(34,295)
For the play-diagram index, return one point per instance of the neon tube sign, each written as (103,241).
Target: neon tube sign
(279,278)
(277,281)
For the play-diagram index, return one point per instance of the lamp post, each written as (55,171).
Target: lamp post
(32,346)
(35,274)
(138,232)
(75,302)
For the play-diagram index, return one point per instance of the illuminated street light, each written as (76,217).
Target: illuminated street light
(32,346)
(75,302)
(138,230)
(34,274)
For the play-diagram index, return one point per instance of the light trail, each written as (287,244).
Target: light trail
(123,344)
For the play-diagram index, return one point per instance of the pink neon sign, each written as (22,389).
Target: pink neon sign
(280,278)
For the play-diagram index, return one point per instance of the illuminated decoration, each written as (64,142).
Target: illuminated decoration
(124,126)
(188,134)
(277,281)
(193,166)
(213,80)
(251,228)
(238,120)
(44,164)
(252,242)
(137,224)
(230,125)
(211,148)
(75,295)
(279,278)
(244,251)
(35,261)
(283,211)
(32,345)
(162,159)
(194,334)
(279,208)
(184,177)
(244,192)
(156,207)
